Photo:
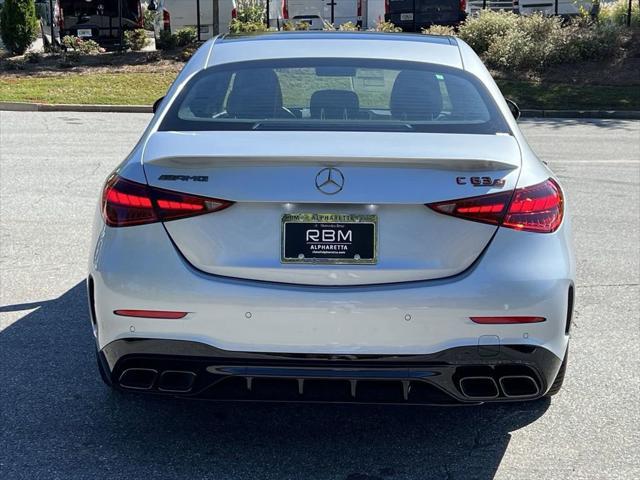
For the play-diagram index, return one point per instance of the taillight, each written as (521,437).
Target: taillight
(126,203)
(538,208)
(386,6)
(285,9)
(463,5)
(359,13)
(166,20)
(140,21)
(170,315)
(506,320)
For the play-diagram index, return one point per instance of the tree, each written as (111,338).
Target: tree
(18,25)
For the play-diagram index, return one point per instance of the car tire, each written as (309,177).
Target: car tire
(557,383)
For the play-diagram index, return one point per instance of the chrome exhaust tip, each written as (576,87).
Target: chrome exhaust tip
(479,388)
(519,386)
(176,381)
(138,378)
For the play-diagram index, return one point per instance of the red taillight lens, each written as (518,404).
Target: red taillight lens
(126,203)
(285,10)
(506,320)
(166,20)
(169,315)
(486,208)
(359,12)
(386,6)
(463,5)
(538,208)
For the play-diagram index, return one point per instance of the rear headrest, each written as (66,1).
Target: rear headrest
(415,96)
(256,93)
(334,104)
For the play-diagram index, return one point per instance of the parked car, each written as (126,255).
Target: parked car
(333,216)
(414,15)
(343,10)
(554,7)
(97,20)
(174,15)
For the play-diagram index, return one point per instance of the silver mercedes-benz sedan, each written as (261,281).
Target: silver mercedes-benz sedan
(341,217)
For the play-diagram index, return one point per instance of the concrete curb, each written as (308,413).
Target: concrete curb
(610,114)
(57,107)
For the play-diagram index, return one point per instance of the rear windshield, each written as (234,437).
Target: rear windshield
(335,94)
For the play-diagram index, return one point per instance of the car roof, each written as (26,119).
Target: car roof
(441,50)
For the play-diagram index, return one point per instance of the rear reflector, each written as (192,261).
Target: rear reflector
(538,208)
(505,320)
(150,314)
(126,203)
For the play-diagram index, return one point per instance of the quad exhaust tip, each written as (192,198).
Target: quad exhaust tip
(519,386)
(479,387)
(138,378)
(176,381)
(169,381)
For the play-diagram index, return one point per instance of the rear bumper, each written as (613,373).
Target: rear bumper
(196,370)
(520,274)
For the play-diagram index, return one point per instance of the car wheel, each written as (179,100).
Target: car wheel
(557,383)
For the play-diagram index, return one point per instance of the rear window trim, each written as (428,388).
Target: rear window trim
(171,122)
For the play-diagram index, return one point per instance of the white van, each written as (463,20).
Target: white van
(173,15)
(565,8)
(343,10)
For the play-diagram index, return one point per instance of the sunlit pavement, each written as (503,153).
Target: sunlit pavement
(59,421)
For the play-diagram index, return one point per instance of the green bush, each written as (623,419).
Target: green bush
(387,27)
(18,25)
(615,13)
(479,31)
(438,30)
(506,41)
(251,18)
(589,41)
(149,19)
(237,26)
(135,39)
(166,41)
(251,11)
(186,37)
(348,27)
(80,45)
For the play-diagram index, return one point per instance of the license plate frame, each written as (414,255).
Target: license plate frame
(357,244)
(406,17)
(84,33)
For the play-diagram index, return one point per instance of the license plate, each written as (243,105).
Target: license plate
(84,32)
(329,238)
(406,17)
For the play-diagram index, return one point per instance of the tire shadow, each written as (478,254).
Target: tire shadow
(59,421)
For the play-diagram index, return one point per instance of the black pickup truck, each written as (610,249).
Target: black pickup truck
(414,15)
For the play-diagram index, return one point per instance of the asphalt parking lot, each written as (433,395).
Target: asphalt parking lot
(59,421)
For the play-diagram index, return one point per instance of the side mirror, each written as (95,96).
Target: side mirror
(156,104)
(515,110)
(153,6)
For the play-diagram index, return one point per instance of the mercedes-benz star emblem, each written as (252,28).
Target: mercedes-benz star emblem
(329,181)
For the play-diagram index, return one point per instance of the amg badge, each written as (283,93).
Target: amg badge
(185,178)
